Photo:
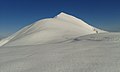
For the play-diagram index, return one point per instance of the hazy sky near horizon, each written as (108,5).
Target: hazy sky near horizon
(15,14)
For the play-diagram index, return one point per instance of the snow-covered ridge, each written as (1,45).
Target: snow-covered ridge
(51,30)
(77,21)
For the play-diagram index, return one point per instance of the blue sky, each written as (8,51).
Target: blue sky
(15,14)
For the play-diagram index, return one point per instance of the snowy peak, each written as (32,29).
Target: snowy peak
(63,14)
(50,30)
(72,19)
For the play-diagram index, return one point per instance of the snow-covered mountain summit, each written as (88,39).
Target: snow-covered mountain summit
(60,28)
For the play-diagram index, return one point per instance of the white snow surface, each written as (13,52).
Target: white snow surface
(90,53)
(61,27)
(60,44)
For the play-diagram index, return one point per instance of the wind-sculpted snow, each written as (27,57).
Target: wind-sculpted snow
(90,53)
(100,37)
(51,30)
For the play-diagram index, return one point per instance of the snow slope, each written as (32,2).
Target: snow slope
(60,28)
(60,44)
(90,53)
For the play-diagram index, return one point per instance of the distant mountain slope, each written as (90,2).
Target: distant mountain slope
(51,30)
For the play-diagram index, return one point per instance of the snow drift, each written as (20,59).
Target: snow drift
(60,28)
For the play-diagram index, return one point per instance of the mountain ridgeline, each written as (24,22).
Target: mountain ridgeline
(50,30)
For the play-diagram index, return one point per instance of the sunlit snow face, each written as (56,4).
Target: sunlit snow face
(59,28)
